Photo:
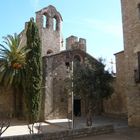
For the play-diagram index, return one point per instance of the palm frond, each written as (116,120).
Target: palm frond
(12,60)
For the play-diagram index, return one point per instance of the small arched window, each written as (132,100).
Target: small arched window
(54,24)
(45,21)
(49,51)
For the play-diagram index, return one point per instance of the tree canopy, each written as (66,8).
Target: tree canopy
(92,81)
(12,61)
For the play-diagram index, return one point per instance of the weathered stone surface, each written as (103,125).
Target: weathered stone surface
(131,32)
(50,32)
(117,104)
(73,42)
(57,99)
(6,102)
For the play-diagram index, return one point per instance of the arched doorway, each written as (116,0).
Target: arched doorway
(77,107)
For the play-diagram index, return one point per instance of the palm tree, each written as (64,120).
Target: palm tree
(12,66)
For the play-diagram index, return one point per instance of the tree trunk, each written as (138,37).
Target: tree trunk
(89,114)
(100,107)
(89,119)
(14,102)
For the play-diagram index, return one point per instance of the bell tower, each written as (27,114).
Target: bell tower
(49,21)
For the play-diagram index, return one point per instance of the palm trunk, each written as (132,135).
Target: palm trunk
(18,105)
(14,102)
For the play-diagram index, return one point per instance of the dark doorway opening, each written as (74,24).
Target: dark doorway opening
(77,107)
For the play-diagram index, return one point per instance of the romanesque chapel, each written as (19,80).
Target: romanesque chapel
(57,65)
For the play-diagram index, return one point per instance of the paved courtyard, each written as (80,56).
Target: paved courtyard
(20,127)
(122,132)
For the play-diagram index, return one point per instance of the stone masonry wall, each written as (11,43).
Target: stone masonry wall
(50,33)
(55,95)
(51,41)
(74,42)
(6,102)
(117,104)
(57,99)
(131,32)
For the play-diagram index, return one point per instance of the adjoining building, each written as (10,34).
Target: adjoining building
(128,62)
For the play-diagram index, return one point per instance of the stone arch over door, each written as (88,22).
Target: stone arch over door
(49,51)
(78,58)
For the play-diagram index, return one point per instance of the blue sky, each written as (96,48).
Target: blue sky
(99,21)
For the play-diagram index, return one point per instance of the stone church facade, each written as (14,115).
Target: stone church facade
(126,98)
(57,66)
